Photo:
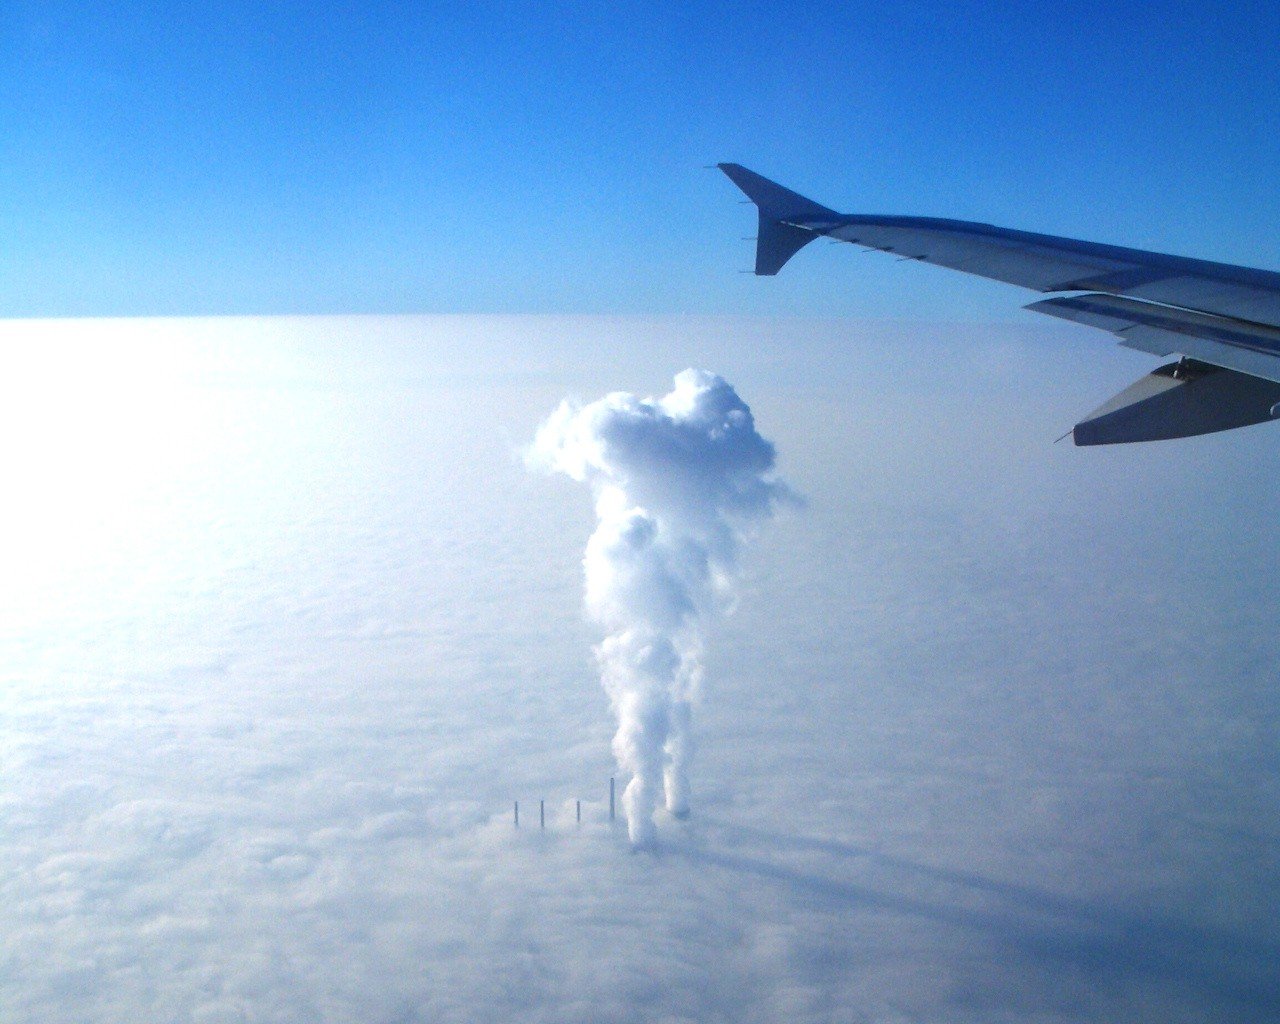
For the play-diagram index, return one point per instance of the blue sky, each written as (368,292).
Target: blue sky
(267,158)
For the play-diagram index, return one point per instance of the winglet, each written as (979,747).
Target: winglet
(780,210)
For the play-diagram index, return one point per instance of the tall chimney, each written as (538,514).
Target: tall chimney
(611,798)
(517,814)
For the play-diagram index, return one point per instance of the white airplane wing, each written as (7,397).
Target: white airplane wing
(1224,319)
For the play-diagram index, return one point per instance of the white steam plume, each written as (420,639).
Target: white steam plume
(678,481)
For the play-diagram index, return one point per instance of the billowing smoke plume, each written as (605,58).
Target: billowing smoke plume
(678,481)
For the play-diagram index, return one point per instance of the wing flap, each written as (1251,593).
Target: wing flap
(1162,330)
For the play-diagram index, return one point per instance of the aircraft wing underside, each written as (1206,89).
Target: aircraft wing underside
(1225,318)
(1050,264)
(1165,330)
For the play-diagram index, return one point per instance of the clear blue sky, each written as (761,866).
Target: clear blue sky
(369,157)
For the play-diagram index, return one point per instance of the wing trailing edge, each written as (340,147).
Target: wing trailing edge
(1165,330)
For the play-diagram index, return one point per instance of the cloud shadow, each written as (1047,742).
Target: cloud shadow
(1104,943)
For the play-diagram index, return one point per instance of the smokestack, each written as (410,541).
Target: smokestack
(517,814)
(611,798)
(579,812)
(542,814)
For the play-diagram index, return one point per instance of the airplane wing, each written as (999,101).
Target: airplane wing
(1224,318)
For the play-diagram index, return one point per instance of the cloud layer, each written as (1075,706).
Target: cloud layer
(990,736)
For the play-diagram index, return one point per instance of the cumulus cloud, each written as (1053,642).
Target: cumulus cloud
(678,481)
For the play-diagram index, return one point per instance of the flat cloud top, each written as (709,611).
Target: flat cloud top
(990,736)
